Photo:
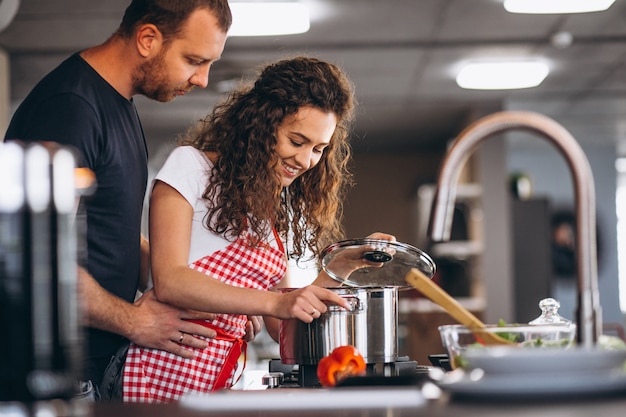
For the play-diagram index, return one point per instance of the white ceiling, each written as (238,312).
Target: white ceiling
(401,54)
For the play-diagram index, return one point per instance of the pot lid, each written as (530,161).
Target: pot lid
(374,262)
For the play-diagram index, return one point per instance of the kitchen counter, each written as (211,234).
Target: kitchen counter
(442,407)
(597,407)
(580,384)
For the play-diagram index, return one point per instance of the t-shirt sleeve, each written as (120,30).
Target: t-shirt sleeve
(68,120)
(186,171)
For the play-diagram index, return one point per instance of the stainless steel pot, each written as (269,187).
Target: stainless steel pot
(372,289)
(371,327)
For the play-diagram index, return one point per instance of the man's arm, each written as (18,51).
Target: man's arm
(147,322)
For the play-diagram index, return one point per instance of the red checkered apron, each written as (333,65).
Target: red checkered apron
(152,375)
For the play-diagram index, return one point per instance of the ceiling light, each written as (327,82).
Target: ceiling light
(502,75)
(556,6)
(264,19)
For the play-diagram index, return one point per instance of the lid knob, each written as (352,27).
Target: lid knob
(549,313)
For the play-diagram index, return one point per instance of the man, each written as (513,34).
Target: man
(162,49)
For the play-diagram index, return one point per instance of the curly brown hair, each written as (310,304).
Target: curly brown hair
(245,190)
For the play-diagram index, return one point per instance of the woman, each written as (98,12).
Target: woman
(266,167)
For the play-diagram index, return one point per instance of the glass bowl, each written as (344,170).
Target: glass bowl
(459,340)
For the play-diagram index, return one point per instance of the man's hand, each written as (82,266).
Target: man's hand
(161,326)
(147,322)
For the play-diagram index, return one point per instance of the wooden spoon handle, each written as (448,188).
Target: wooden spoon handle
(436,294)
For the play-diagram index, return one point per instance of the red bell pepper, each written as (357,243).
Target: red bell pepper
(343,361)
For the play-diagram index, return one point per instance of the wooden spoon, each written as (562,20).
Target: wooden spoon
(436,294)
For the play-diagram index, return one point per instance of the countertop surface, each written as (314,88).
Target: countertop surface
(591,407)
(444,406)
(585,383)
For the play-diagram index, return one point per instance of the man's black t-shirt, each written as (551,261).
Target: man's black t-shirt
(74,106)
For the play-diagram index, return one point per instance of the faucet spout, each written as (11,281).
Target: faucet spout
(588,315)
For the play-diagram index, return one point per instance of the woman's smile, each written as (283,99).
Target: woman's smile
(291,171)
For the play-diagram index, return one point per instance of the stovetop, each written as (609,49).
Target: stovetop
(401,372)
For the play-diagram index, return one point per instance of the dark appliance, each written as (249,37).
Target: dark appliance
(40,355)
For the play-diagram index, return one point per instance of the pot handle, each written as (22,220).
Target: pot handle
(353,300)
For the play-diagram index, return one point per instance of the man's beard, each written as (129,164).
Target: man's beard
(150,80)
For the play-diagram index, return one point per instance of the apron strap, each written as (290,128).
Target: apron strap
(278,241)
(238,347)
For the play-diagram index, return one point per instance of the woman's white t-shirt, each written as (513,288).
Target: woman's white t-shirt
(187,170)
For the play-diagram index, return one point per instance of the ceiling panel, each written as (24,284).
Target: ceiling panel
(402,55)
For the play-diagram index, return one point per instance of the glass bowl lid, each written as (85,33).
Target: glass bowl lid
(374,262)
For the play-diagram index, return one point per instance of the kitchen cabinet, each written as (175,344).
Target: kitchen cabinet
(458,272)
(465,246)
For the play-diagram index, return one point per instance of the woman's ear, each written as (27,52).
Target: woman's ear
(149,40)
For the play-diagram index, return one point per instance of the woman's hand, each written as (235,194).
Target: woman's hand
(382,236)
(350,260)
(307,303)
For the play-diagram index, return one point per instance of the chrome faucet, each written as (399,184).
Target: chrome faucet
(589,313)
